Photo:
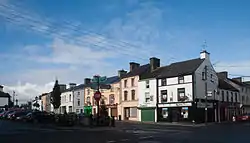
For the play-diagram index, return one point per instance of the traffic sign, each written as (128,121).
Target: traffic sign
(97,95)
(100,78)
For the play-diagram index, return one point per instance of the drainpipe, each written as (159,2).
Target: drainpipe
(157,100)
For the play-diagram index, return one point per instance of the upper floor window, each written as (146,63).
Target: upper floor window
(70,98)
(78,102)
(222,94)
(181,94)
(78,93)
(88,100)
(125,95)
(235,96)
(125,83)
(211,76)
(111,99)
(132,94)
(111,89)
(163,82)
(88,91)
(181,79)
(147,83)
(164,96)
(147,97)
(132,82)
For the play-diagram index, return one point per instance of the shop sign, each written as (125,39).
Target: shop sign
(175,105)
(203,105)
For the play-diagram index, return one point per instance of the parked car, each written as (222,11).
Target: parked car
(2,113)
(18,115)
(37,116)
(244,117)
(5,115)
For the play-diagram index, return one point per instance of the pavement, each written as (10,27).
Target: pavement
(124,132)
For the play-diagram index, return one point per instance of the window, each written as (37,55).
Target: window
(181,94)
(132,94)
(132,82)
(218,92)
(147,97)
(163,82)
(235,96)
(111,89)
(181,79)
(88,91)
(211,76)
(125,95)
(70,109)
(78,93)
(147,83)
(70,98)
(227,96)
(133,112)
(88,99)
(77,110)
(111,99)
(164,96)
(125,83)
(243,98)
(222,94)
(78,102)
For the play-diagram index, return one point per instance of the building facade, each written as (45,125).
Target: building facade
(78,98)
(4,98)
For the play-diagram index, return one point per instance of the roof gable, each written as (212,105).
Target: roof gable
(225,85)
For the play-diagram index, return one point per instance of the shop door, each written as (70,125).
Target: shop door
(148,115)
(114,112)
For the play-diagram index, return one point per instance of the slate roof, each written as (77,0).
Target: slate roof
(138,71)
(3,94)
(239,83)
(226,86)
(175,69)
(111,80)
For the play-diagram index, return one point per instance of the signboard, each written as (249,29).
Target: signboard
(203,105)
(175,104)
(100,78)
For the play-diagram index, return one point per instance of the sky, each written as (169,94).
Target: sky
(71,40)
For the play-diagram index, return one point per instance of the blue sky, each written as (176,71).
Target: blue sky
(41,40)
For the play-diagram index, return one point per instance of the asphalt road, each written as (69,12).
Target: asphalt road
(13,132)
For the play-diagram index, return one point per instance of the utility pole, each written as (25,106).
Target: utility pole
(13,96)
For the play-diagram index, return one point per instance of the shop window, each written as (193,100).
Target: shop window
(133,112)
(164,96)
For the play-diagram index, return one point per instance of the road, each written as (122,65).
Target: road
(13,132)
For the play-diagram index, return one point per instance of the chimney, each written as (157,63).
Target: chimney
(72,85)
(223,74)
(154,63)
(204,55)
(121,72)
(133,65)
(87,81)
(62,87)
(239,79)
(1,88)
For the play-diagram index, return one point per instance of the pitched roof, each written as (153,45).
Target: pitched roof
(175,69)
(111,80)
(239,83)
(225,85)
(3,94)
(81,86)
(138,71)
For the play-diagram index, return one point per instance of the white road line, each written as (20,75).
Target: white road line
(147,137)
(111,141)
(123,140)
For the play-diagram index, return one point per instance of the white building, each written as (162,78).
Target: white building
(78,98)
(4,98)
(181,89)
(66,101)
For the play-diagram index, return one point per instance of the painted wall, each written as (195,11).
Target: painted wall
(129,102)
(142,90)
(227,93)
(78,95)
(67,100)
(212,81)
(4,101)
(172,88)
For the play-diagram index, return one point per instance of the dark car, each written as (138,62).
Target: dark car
(37,116)
(18,115)
(2,114)
(6,114)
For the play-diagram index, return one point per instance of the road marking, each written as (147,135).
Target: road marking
(147,137)
(123,140)
(111,141)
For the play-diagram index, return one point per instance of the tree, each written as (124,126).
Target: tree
(56,96)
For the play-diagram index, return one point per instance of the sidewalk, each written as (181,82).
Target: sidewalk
(168,124)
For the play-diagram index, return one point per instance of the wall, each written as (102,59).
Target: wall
(4,101)
(78,95)
(151,90)
(129,102)
(67,100)
(199,84)
(219,95)
(172,88)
